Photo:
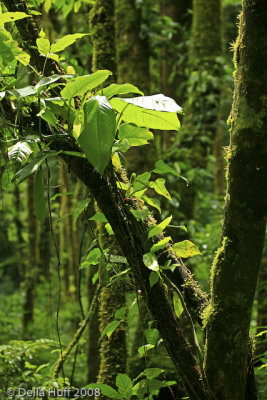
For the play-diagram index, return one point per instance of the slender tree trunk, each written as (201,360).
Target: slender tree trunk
(174,57)
(31,267)
(65,228)
(203,104)
(113,349)
(236,265)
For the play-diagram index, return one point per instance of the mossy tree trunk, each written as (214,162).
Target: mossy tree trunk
(101,19)
(113,349)
(203,103)
(236,265)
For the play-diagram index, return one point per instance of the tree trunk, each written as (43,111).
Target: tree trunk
(101,20)
(31,266)
(113,349)
(132,51)
(203,103)
(236,265)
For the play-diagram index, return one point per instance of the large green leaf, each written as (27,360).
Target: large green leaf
(84,84)
(135,136)
(66,41)
(145,117)
(124,385)
(97,137)
(115,89)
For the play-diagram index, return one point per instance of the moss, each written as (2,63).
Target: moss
(102,30)
(206,314)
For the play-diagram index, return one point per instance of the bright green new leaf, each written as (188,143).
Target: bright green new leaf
(141,181)
(92,258)
(143,349)
(39,196)
(66,41)
(114,89)
(110,328)
(24,58)
(159,186)
(136,136)
(155,230)
(160,245)
(177,305)
(163,168)
(109,229)
(152,336)
(49,117)
(124,385)
(19,152)
(97,137)
(152,202)
(99,217)
(185,249)
(144,117)
(151,262)
(153,278)
(11,17)
(43,46)
(84,84)
(152,373)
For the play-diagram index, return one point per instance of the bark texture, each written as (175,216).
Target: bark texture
(203,102)
(236,265)
(132,51)
(102,35)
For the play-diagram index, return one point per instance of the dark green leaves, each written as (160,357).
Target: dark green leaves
(97,137)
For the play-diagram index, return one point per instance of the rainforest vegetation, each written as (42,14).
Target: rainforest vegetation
(133,199)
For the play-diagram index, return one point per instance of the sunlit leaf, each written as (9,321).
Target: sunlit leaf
(124,385)
(159,186)
(177,305)
(115,89)
(155,230)
(84,84)
(185,249)
(66,41)
(151,262)
(144,117)
(136,136)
